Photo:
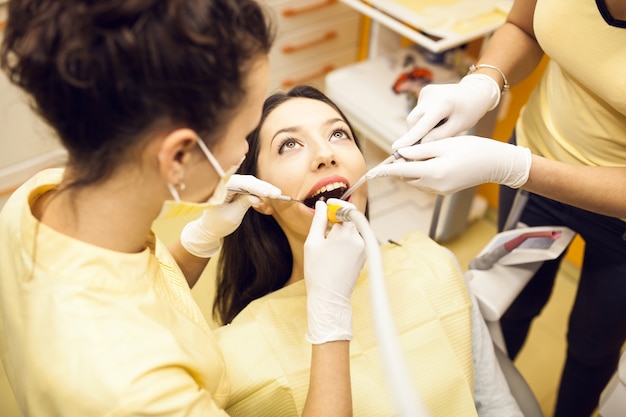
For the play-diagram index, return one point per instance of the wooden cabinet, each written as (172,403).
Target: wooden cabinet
(314,37)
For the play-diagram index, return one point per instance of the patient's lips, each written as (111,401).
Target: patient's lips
(329,187)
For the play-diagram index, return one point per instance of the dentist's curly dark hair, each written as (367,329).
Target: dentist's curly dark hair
(106,73)
(256,259)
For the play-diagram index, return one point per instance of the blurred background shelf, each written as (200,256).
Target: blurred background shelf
(437,25)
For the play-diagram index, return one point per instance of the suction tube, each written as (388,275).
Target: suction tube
(401,386)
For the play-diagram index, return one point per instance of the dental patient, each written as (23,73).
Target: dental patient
(305,146)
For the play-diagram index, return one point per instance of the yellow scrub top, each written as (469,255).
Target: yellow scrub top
(577,112)
(268,358)
(86,331)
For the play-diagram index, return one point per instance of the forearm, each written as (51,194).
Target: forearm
(191,265)
(330,392)
(513,47)
(598,189)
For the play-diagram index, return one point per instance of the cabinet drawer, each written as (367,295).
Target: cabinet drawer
(313,71)
(315,40)
(290,14)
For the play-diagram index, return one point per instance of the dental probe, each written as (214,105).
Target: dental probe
(394,156)
(280,197)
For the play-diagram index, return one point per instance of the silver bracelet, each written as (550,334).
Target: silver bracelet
(505,86)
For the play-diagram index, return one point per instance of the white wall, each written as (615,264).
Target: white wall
(22,133)
(26,143)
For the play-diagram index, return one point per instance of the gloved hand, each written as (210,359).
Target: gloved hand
(332,265)
(460,162)
(203,237)
(461,105)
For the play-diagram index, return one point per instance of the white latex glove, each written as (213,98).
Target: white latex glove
(332,264)
(461,105)
(203,237)
(452,164)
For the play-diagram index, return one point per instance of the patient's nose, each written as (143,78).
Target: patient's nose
(324,157)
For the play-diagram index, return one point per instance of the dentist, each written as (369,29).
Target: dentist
(152,99)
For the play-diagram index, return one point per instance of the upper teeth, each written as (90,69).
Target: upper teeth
(329,187)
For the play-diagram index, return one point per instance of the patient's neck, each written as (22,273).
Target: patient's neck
(297,250)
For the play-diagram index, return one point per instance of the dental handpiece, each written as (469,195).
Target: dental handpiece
(339,214)
(393,157)
(404,395)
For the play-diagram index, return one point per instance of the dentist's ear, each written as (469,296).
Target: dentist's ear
(174,154)
(264,206)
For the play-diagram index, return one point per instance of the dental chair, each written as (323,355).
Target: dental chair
(501,276)
(497,286)
(495,289)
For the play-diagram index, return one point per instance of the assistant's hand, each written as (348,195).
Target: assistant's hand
(203,237)
(461,105)
(332,264)
(456,163)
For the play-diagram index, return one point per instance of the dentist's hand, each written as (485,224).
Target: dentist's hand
(203,237)
(461,105)
(452,164)
(332,264)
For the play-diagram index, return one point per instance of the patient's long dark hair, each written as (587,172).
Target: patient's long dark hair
(256,259)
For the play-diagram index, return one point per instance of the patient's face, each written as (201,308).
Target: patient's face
(308,151)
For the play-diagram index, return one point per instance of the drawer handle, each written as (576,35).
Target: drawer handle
(291,12)
(291,82)
(326,37)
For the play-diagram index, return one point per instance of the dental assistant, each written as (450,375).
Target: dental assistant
(152,99)
(575,117)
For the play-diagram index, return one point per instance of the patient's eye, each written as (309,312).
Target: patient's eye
(339,134)
(287,145)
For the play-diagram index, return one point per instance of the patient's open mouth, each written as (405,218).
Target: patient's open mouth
(332,190)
